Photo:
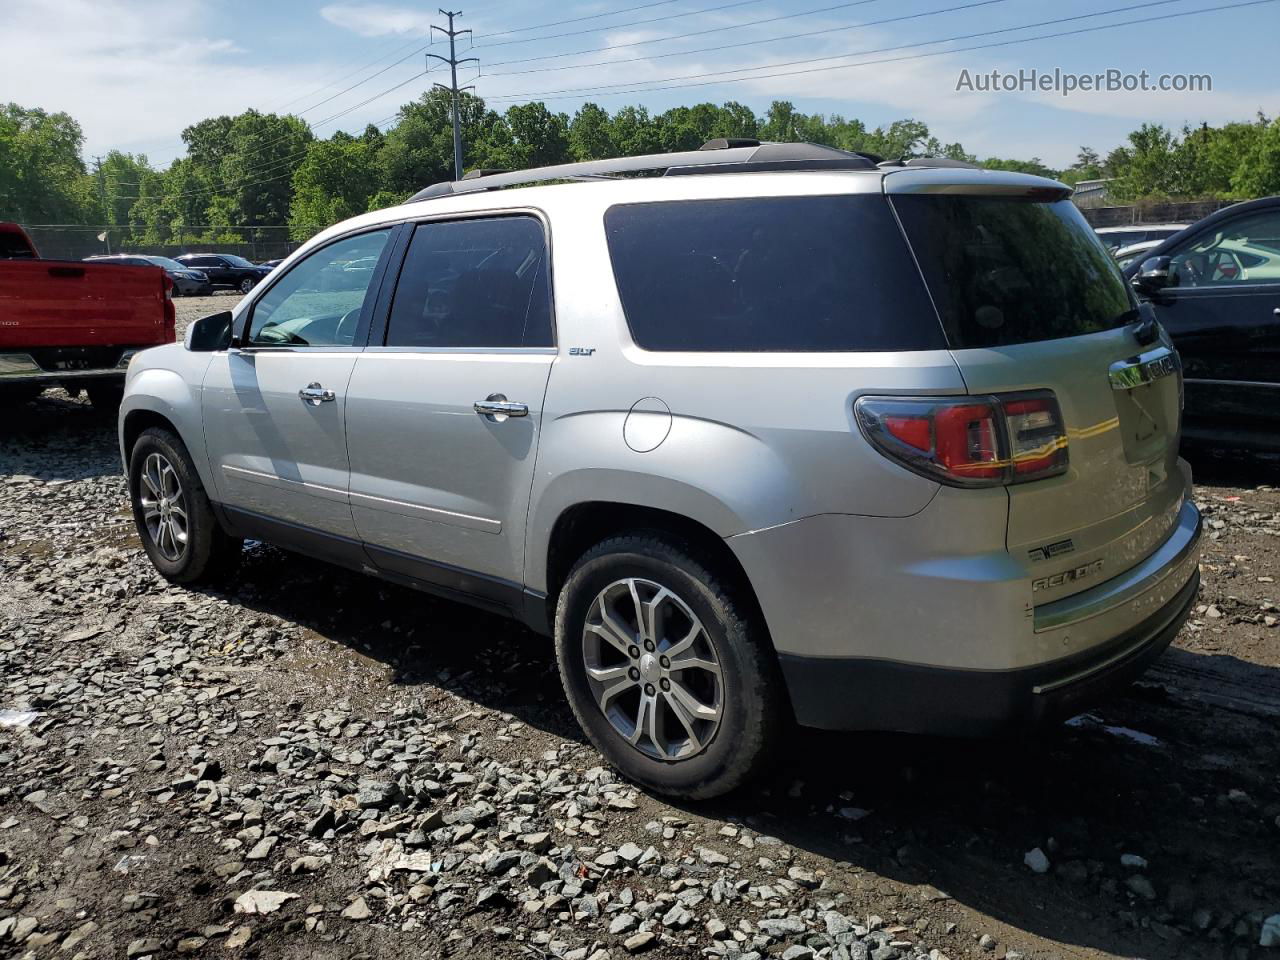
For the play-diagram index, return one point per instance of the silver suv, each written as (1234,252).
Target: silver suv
(783,434)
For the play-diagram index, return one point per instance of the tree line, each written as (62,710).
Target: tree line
(266,170)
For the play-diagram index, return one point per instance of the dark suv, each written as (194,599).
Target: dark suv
(226,270)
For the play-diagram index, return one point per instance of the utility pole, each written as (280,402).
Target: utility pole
(453,63)
(102,198)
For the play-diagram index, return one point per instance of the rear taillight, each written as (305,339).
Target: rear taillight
(969,441)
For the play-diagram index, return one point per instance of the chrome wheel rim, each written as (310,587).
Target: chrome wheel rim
(164,507)
(653,669)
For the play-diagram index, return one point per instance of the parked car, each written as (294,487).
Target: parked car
(1117,237)
(1216,288)
(74,324)
(225,270)
(782,471)
(186,282)
(272,264)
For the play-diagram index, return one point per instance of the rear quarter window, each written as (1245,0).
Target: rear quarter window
(818,274)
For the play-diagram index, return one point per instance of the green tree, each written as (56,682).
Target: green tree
(334,182)
(634,133)
(590,134)
(419,149)
(41,172)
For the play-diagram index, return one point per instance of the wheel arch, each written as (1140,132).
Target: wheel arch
(582,525)
(159,397)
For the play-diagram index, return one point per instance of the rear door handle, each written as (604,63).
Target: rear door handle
(315,394)
(496,408)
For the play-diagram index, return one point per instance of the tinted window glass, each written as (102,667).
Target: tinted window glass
(199,261)
(318,302)
(473,283)
(235,261)
(1240,251)
(769,274)
(1005,271)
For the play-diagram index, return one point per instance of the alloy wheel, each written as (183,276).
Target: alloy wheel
(164,507)
(653,669)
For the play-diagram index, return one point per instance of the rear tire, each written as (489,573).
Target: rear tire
(105,396)
(698,723)
(172,512)
(246,285)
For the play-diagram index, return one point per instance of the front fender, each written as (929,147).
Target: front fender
(172,391)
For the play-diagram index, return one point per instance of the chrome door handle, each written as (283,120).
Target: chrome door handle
(496,408)
(315,394)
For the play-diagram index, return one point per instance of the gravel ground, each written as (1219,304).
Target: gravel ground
(311,763)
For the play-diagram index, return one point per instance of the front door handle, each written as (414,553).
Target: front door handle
(496,408)
(315,394)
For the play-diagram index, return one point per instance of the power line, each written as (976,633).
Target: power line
(619,26)
(673,83)
(683,36)
(337,80)
(753,43)
(594,16)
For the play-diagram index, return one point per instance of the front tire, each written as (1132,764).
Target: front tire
(668,672)
(172,512)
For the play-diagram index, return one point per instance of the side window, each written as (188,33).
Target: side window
(473,283)
(1244,250)
(318,302)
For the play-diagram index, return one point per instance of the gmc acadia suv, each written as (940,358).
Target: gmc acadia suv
(784,433)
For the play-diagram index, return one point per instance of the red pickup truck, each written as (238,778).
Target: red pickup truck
(73,324)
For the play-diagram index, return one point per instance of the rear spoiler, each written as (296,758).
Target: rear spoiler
(974,183)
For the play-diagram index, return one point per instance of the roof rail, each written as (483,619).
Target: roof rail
(751,157)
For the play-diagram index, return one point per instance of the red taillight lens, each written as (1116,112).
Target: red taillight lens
(969,441)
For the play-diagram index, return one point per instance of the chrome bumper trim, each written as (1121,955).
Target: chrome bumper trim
(1157,579)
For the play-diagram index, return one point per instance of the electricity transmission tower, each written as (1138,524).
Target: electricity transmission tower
(453,62)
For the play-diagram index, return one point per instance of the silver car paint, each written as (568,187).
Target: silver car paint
(849,554)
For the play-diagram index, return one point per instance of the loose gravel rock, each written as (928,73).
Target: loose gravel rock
(308,762)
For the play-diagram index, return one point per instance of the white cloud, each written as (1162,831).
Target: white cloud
(134,73)
(379,20)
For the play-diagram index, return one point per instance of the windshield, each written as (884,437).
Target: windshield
(235,261)
(167,263)
(1005,271)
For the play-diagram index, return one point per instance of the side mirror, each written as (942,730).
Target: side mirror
(209,334)
(1155,275)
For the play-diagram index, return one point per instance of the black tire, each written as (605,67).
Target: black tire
(210,553)
(105,397)
(751,691)
(246,285)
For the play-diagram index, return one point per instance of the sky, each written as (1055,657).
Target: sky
(135,72)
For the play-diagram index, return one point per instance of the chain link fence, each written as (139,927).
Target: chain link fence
(59,241)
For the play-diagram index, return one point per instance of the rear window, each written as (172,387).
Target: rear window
(769,274)
(1004,271)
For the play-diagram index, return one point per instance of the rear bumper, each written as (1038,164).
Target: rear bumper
(883,695)
(23,368)
(1130,620)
